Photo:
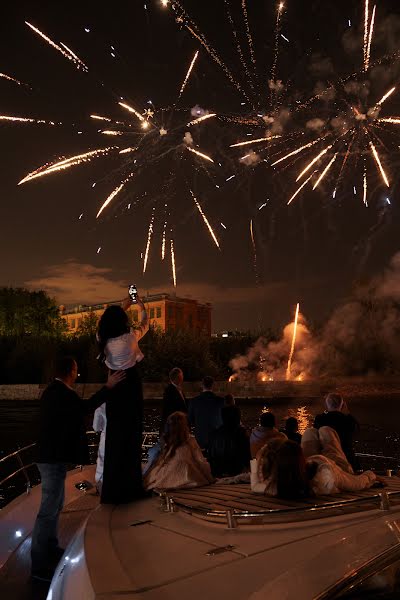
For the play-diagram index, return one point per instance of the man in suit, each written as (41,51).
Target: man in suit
(62,441)
(173,398)
(205,412)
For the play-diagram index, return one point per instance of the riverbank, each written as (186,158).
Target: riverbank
(272,389)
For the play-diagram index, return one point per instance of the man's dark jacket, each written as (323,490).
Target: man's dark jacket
(205,415)
(173,400)
(62,431)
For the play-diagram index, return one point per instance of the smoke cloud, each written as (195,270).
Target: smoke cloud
(187,139)
(315,124)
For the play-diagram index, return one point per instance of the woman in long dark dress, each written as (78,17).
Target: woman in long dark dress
(122,476)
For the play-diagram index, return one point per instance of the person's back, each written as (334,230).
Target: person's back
(229,445)
(344,424)
(205,412)
(265,432)
(292,430)
(173,397)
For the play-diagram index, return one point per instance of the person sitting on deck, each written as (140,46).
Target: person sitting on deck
(181,463)
(338,417)
(265,432)
(292,430)
(287,474)
(325,441)
(229,445)
(205,412)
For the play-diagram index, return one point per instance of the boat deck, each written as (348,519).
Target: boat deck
(15,580)
(222,503)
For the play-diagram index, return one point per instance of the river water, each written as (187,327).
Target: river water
(378,417)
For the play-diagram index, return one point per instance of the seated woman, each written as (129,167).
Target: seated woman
(291,476)
(229,445)
(181,463)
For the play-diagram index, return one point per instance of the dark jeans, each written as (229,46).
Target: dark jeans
(44,535)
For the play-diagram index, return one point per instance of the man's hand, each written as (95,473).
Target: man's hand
(114,379)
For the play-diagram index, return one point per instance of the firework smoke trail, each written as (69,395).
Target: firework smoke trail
(70,56)
(149,236)
(253,241)
(188,74)
(371,31)
(248,33)
(114,193)
(324,172)
(173,266)
(199,154)
(238,46)
(299,189)
(312,163)
(294,152)
(257,141)
(67,163)
(378,162)
(201,119)
(366,21)
(210,229)
(289,364)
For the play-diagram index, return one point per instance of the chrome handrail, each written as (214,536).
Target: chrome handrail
(17,452)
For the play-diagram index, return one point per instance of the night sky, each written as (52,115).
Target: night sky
(313,251)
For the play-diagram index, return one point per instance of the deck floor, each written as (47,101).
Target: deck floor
(15,580)
(239,497)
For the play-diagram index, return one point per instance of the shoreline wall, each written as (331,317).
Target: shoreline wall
(270,389)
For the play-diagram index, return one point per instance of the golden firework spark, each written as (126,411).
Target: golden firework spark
(24,120)
(393,120)
(127,150)
(210,229)
(74,56)
(289,364)
(163,243)
(200,154)
(66,163)
(371,31)
(324,172)
(134,111)
(70,56)
(149,236)
(188,74)
(112,132)
(9,78)
(201,119)
(113,194)
(312,163)
(386,96)
(173,266)
(248,33)
(256,141)
(366,22)
(299,189)
(294,152)
(100,118)
(378,162)
(365,187)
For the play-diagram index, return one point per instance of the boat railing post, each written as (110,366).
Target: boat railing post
(230,519)
(385,502)
(24,471)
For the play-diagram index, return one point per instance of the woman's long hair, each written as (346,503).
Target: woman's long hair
(266,458)
(176,434)
(113,323)
(290,471)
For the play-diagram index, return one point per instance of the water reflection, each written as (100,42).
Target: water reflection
(303,415)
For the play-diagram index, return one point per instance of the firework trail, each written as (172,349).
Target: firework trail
(365,187)
(378,162)
(113,194)
(366,20)
(248,33)
(67,163)
(163,243)
(173,266)
(134,111)
(25,120)
(294,152)
(9,78)
(371,32)
(188,74)
(289,364)
(253,242)
(149,236)
(276,51)
(312,163)
(210,229)
(324,172)
(256,141)
(199,154)
(238,46)
(299,189)
(385,97)
(67,54)
(201,119)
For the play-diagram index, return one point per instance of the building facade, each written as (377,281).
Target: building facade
(165,312)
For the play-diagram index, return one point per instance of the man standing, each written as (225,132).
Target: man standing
(62,441)
(174,398)
(337,417)
(205,412)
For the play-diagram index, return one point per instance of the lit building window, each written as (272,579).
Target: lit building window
(152,313)
(158,313)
